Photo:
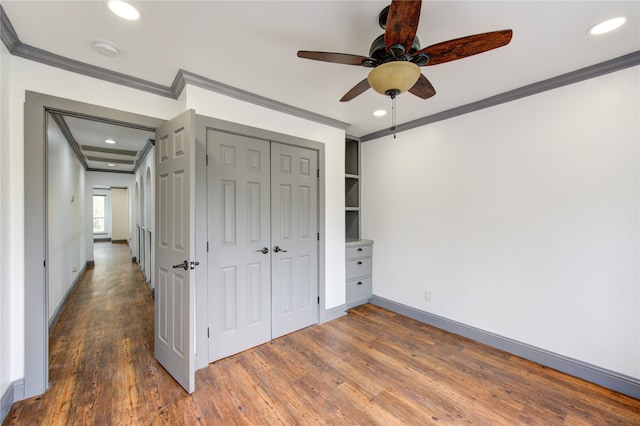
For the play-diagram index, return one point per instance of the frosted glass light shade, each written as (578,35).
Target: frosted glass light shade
(394,76)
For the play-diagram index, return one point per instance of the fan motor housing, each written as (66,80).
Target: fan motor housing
(378,51)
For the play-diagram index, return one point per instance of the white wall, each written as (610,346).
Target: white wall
(120,214)
(28,75)
(7,297)
(121,180)
(522,219)
(218,106)
(66,220)
(143,214)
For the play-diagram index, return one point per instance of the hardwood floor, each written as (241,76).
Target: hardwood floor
(371,367)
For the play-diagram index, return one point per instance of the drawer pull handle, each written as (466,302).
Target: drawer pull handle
(359,263)
(360,249)
(359,283)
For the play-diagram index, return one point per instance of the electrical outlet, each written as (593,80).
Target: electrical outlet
(427,295)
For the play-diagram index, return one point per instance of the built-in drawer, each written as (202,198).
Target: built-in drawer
(358,268)
(359,290)
(359,251)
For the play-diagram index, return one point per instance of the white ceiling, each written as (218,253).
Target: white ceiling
(252,45)
(90,136)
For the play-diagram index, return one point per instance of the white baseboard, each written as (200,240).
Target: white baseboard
(601,376)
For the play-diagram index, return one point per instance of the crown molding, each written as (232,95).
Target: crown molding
(617,64)
(17,48)
(143,154)
(38,55)
(8,34)
(233,92)
(183,77)
(75,146)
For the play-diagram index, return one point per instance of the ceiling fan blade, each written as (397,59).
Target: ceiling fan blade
(338,58)
(402,23)
(465,46)
(358,89)
(423,88)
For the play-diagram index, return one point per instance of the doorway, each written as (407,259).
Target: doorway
(37,107)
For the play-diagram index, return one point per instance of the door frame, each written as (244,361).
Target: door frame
(36,108)
(204,123)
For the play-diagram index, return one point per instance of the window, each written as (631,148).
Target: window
(99,214)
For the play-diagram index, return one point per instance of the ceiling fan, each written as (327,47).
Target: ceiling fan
(396,56)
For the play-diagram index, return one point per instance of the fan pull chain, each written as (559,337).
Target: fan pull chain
(393,116)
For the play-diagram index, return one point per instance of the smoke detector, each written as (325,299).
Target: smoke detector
(106,48)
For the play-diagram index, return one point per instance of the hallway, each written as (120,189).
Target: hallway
(370,367)
(102,369)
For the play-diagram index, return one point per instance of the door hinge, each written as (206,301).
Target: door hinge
(207,332)
(318,236)
(318,300)
(207,246)
(206,159)
(318,173)
(44,263)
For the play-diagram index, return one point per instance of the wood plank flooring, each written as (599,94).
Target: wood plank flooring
(371,367)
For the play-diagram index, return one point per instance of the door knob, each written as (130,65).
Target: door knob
(277,249)
(263,250)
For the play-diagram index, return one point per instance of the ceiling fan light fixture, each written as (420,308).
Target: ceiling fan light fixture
(110,165)
(380,113)
(607,25)
(109,141)
(393,77)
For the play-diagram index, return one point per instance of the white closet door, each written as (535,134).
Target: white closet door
(294,238)
(239,238)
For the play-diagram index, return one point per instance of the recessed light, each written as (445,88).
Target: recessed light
(110,165)
(111,141)
(606,26)
(106,48)
(124,10)
(380,113)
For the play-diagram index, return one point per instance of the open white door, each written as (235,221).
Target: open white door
(175,240)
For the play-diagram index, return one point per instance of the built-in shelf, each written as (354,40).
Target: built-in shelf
(352,189)
(359,285)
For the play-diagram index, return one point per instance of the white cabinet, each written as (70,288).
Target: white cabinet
(359,255)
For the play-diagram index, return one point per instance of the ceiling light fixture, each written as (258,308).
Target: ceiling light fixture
(110,141)
(392,79)
(106,48)
(124,10)
(380,113)
(607,26)
(110,165)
